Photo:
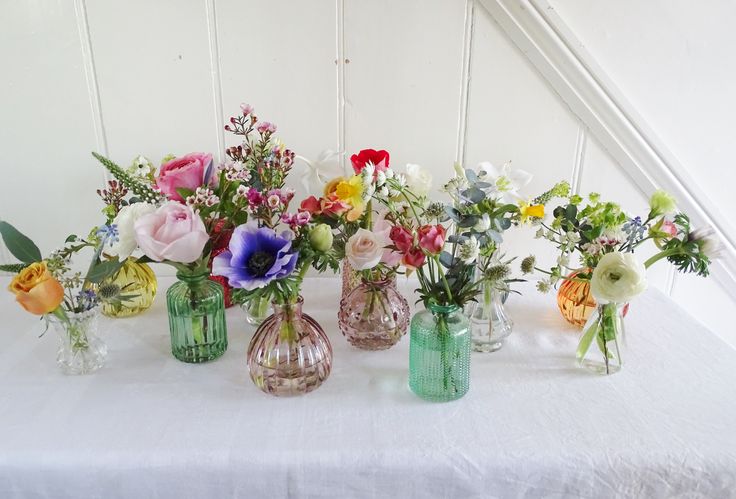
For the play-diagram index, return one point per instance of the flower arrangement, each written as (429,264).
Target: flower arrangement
(606,238)
(68,299)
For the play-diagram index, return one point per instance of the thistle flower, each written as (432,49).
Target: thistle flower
(528,264)
(497,273)
(108,291)
(434,210)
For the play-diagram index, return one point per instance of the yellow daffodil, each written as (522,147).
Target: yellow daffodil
(351,192)
(528,211)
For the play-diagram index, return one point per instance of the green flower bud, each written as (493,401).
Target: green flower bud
(320,238)
(661,203)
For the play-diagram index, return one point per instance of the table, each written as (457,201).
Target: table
(532,424)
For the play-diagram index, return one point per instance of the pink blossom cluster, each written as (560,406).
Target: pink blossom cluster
(202,197)
(296,220)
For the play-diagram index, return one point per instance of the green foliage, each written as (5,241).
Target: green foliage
(19,245)
(141,189)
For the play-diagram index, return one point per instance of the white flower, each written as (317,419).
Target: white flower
(618,278)
(389,173)
(367,175)
(563,260)
(141,167)
(364,250)
(468,250)
(709,243)
(506,180)
(383,191)
(125,221)
(483,223)
(418,179)
(540,233)
(380,179)
(319,171)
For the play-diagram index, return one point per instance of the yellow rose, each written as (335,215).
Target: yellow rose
(36,289)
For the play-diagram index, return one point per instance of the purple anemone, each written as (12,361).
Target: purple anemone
(255,257)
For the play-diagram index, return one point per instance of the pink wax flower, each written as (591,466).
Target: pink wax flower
(186,172)
(246,108)
(173,232)
(265,126)
(254,197)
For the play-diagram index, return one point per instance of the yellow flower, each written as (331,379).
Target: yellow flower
(332,185)
(530,211)
(351,192)
(36,290)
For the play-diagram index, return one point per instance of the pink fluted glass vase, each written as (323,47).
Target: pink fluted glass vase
(374,315)
(289,354)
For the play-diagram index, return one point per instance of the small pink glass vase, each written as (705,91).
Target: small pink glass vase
(374,315)
(289,354)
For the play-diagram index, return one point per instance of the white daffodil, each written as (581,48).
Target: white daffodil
(318,172)
(507,181)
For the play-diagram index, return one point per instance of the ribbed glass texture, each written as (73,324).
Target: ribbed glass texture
(439,354)
(374,315)
(196,319)
(137,280)
(81,351)
(289,354)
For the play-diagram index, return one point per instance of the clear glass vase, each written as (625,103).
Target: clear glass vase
(256,310)
(374,315)
(439,353)
(603,340)
(196,318)
(489,322)
(138,281)
(81,351)
(289,354)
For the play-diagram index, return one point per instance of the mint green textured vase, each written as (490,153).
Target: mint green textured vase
(439,353)
(196,318)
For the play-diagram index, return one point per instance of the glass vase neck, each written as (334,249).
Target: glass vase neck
(192,277)
(376,282)
(293,307)
(442,309)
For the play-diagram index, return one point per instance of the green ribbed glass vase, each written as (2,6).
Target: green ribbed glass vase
(196,318)
(439,353)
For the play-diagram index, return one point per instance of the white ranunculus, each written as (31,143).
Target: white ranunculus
(125,222)
(618,278)
(418,179)
(483,223)
(364,250)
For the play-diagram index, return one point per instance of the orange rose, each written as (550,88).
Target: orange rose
(36,289)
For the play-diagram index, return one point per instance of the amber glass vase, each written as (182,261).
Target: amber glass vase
(576,302)
(136,280)
(289,354)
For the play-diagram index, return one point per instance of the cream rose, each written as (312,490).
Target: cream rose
(125,222)
(364,250)
(618,278)
(418,179)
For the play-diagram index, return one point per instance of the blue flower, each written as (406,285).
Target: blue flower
(255,257)
(108,234)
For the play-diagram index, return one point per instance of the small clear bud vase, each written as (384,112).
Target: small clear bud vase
(439,353)
(289,353)
(374,315)
(489,322)
(81,351)
(196,318)
(256,310)
(603,342)
(135,280)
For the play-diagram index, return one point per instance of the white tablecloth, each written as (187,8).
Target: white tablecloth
(532,424)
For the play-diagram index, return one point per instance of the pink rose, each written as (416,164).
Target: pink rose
(669,228)
(414,258)
(382,228)
(402,238)
(172,232)
(432,238)
(186,172)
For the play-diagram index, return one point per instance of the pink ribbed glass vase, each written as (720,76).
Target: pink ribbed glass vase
(374,316)
(289,354)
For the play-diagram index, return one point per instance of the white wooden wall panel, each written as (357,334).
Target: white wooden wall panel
(403,79)
(280,56)
(48,129)
(514,116)
(153,68)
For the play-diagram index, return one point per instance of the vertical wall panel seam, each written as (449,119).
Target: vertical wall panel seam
(579,160)
(340,75)
(90,73)
(465,79)
(669,285)
(216,72)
